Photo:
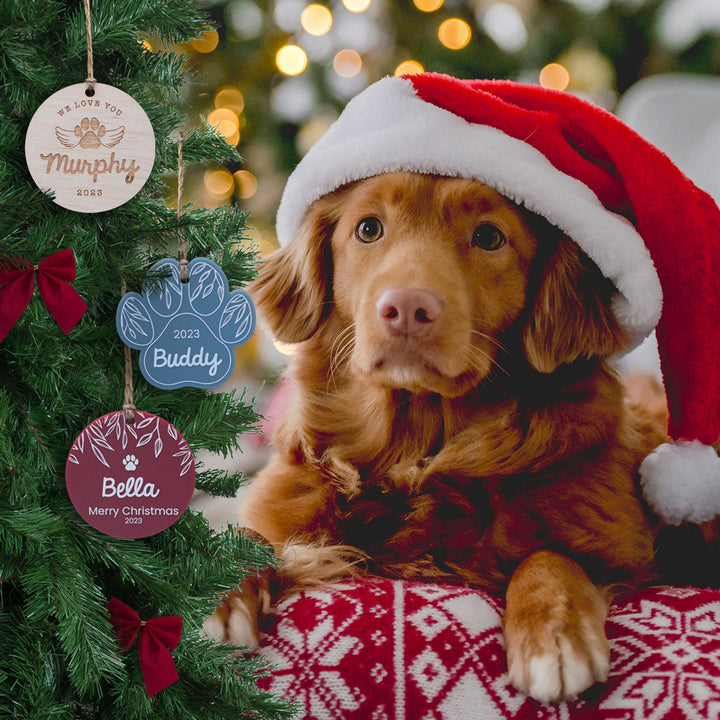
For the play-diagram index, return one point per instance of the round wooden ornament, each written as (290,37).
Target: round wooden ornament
(130,480)
(93,146)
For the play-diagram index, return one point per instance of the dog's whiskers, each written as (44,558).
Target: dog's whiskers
(340,351)
(485,355)
(490,339)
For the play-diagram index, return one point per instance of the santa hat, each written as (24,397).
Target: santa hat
(653,233)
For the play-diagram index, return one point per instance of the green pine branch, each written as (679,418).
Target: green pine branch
(60,657)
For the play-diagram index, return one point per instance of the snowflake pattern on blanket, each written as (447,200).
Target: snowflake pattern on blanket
(393,650)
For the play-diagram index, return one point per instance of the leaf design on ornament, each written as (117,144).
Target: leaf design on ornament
(135,321)
(97,438)
(163,293)
(204,280)
(98,454)
(143,423)
(81,443)
(172,432)
(237,319)
(145,439)
(158,446)
(73,459)
(186,458)
(114,424)
(171,288)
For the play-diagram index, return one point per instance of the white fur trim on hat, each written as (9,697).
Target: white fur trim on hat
(681,481)
(388,128)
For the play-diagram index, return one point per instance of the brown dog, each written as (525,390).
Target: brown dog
(455,417)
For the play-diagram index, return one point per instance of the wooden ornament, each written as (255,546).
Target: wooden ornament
(92,146)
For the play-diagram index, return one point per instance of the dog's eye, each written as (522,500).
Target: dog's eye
(369,230)
(488,237)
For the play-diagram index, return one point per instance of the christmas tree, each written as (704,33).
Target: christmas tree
(60,655)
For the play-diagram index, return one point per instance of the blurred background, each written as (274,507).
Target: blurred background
(272,75)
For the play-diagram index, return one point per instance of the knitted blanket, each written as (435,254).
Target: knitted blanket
(375,649)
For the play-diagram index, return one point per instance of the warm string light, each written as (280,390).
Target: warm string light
(207,41)
(246,184)
(554,76)
(428,5)
(316,20)
(284,348)
(454,33)
(408,67)
(347,63)
(227,123)
(230,97)
(219,183)
(291,60)
(357,6)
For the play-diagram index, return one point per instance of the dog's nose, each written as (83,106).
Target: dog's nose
(409,312)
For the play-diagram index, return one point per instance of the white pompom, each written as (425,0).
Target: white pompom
(682,482)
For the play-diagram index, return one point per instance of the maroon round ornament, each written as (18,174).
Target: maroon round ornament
(130,480)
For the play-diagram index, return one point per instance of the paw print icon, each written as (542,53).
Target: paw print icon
(186,332)
(130,463)
(90,134)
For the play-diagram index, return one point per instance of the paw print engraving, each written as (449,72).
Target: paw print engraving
(90,134)
(130,463)
(186,332)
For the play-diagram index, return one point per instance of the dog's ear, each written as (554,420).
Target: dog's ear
(293,291)
(570,315)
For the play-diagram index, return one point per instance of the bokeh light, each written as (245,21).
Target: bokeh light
(454,33)
(287,14)
(408,67)
(224,115)
(347,63)
(312,131)
(207,41)
(428,5)
(246,184)
(316,20)
(219,183)
(357,6)
(244,18)
(227,124)
(291,60)
(554,76)
(284,348)
(230,97)
(504,24)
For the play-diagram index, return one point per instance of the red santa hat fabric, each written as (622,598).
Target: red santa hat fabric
(647,227)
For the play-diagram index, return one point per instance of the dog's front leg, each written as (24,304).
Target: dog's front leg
(555,629)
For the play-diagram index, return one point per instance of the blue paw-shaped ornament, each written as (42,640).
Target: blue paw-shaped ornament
(186,331)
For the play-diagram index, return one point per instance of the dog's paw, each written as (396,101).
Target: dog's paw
(235,620)
(565,663)
(237,617)
(555,629)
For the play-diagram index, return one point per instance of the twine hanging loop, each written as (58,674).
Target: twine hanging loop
(128,404)
(182,246)
(90,79)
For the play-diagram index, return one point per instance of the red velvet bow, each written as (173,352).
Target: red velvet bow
(17,276)
(157,637)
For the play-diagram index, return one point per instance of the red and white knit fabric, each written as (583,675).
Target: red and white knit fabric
(393,650)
